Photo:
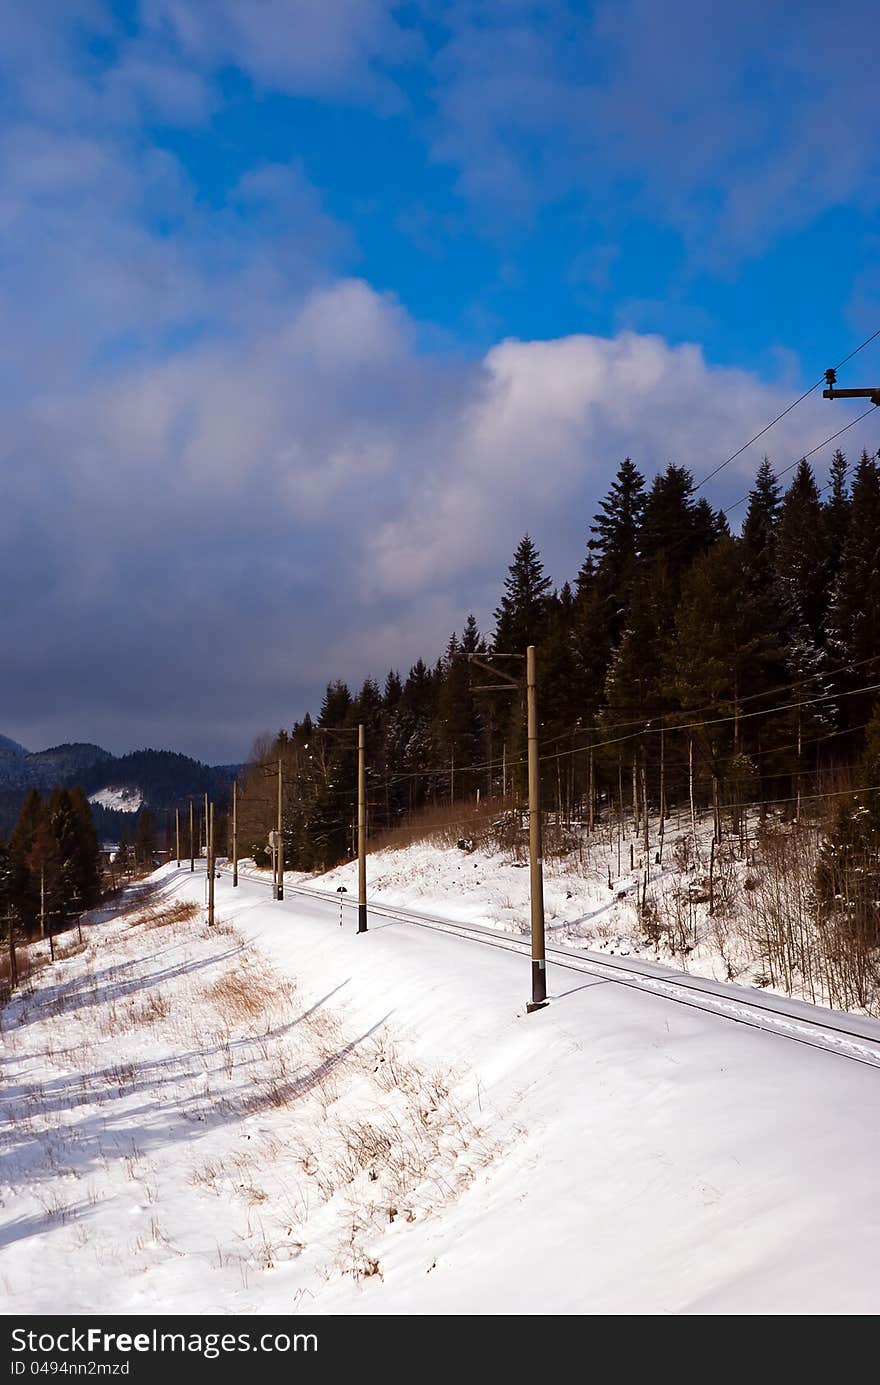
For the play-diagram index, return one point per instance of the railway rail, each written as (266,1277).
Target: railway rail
(858,1041)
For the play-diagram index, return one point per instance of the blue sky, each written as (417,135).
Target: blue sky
(313,308)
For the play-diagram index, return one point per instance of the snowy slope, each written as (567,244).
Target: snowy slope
(589,904)
(123,800)
(381,1129)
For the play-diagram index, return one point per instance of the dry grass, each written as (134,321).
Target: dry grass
(29,961)
(167,915)
(250,992)
(490,825)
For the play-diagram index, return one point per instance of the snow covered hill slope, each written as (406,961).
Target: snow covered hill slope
(281,1115)
(592,900)
(122,800)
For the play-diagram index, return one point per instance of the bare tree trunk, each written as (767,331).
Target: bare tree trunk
(645,806)
(619,811)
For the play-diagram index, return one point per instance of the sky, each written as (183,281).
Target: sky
(312,308)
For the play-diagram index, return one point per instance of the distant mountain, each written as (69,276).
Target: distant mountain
(11,747)
(117,786)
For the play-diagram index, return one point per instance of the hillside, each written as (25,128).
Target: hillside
(280,1115)
(11,747)
(117,785)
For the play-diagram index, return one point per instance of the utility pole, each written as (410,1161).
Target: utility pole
(872,393)
(362,832)
(536,866)
(177,834)
(234,832)
(279,850)
(206,825)
(47,917)
(42,901)
(192,845)
(13,964)
(210,849)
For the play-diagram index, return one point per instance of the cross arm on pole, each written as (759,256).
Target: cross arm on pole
(872,392)
(506,680)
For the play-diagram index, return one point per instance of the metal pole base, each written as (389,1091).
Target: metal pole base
(536,1005)
(539,986)
(234,881)
(362,918)
(280,893)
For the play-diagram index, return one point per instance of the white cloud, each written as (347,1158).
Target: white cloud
(305,46)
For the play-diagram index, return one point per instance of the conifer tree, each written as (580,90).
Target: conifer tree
(836,511)
(336,705)
(759,525)
(854,616)
(673,528)
(616,526)
(801,553)
(521,618)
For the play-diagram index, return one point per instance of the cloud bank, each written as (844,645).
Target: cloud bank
(231,467)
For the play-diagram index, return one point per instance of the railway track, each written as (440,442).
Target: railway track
(857,1042)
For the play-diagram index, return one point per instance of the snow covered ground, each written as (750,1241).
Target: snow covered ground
(591,899)
(281,1115)
(123,800)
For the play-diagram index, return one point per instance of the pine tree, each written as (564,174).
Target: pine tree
(762,516)
(674,529)
(30,848)
(854,615)
(336,705)
(848,870)
(801,553)
(723,649)
(145,838)
(616,526)
(393,690)
(521,618)
(836,510)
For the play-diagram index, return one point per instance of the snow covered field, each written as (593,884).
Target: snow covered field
(281,1116)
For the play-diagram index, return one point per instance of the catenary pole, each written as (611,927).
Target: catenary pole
(177,834)
(279,850)
(362,832)
(234,832)
(210,849)
(536,868)
(192,842)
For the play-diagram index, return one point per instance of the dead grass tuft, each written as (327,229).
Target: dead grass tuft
(249,993)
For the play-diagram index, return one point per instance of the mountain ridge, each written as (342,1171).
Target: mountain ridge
(159,779)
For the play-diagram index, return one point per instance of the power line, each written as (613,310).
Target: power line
(852,423)
(716,721)
(793,405)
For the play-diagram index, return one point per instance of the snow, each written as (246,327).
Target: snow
(378,1127)
(585,911)
(122,800)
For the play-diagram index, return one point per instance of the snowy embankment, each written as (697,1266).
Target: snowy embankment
(280,1115)
(736,914)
